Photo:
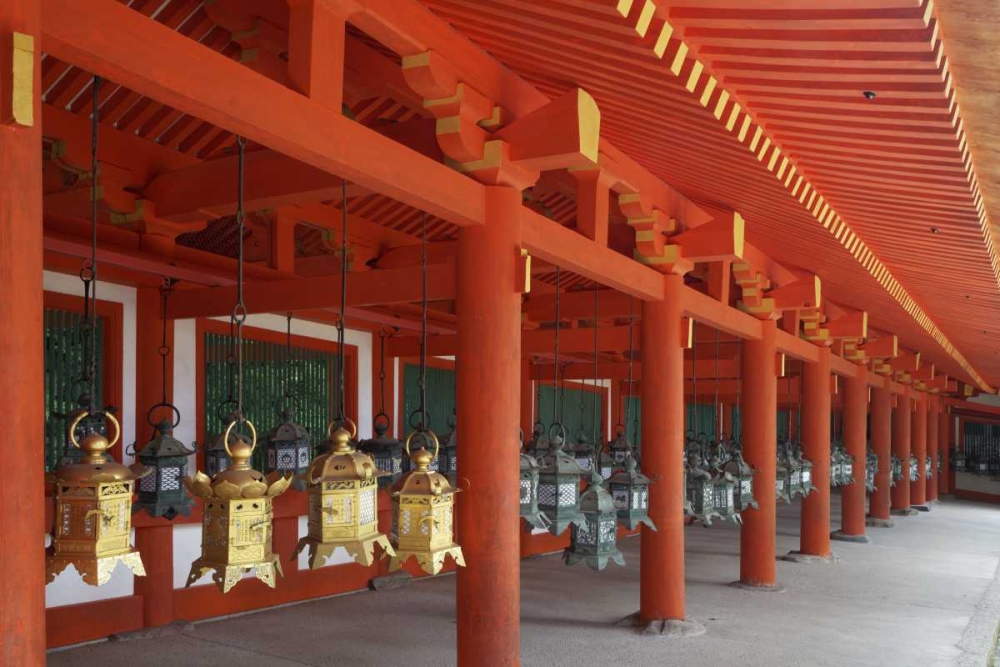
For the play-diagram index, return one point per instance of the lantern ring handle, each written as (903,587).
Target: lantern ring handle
(427,434)
(221,411)
(382,418)
(559,428)
(107,417)
(418,424)
(229,429)
(353,430)
(164,404)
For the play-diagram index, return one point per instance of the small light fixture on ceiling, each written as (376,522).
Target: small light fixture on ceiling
(934,230)
(870,94)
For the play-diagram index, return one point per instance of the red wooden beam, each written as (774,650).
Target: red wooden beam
(112,40)
(366,288)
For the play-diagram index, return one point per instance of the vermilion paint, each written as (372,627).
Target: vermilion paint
(760,433)
(933,444)
(918,440)
(815,521)
(881,425)
(852,496)
(661,566)
(901,422)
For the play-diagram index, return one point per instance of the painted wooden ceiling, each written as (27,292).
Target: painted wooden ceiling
(908,243)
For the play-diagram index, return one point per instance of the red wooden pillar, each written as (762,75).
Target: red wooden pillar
(815,522)
(153,537)
(760,433)
(879,502)
(527,418)
(22,495)
(488,403)
(901,422)
(946,435)
(661,566)
(852,498)
(933,445)
(918,438)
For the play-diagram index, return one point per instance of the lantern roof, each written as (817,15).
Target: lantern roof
(239,480)
(558,461)
(164,444)
(596,498)
(630,474)
(341,462)
(95,467)
(528,462)
(288,429)
(421,480)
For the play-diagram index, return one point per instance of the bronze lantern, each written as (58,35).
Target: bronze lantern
(423,506)
(559,485)
(386,451)
(529,492)
(595,540)
(161,493)
(289,445)
(343,507)
(630,492)
(236,518)
(93,514)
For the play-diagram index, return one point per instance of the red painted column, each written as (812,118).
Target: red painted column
(814,530)
(22,495)
(153,537)
(661,565)
(488,401)
(918,438)
(760,432)
(852,496)
(946,436)
(879,502)
(901,422)
(933,415)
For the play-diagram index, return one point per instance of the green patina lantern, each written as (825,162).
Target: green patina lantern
(897,470)
(538,444)
(929,468)
(629,490)
(782,481)
(802,485)
(914,468)
(449,450)
(386,451)
(871,469)
(742,474)
(559,485)
(595,540)
(161,492)
(723,484)
(940,461)
(288,449)
(613,456)
(582,450)
(836,465)
(529,492)
(700,488)
(958,459)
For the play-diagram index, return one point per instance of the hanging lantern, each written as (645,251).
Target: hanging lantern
(559,485)
(836,465)
(236,517)
(448,457)
(529,492)
(805,466)
(914,468)
(216,457)
(980,464)
(846,466)
(929,468)
(423,506)
(386,451)
(629,490)
(897,470)
(289,446)
(582,450)
(383,448)
(93,514)
(88,424)
(613,456)
(343,508)
(871,469)
(958,460)
(161,493)
(700,488)
(538,444)
(595,540)
(742,474)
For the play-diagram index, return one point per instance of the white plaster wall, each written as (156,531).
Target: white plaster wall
(68,588)
(187,538)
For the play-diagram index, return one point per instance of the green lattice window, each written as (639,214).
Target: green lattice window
(573,418)
(700,419)
(313,381)
(440,397)
(64,352)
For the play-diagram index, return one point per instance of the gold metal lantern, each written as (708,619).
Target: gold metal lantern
(236,518)
(343,503)
(423,506)
(93,518)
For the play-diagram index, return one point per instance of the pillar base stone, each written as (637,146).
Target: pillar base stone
(875,522)
(799,557)
(844,537)
(758,588)
(921,508)
(671,628)
(906,511)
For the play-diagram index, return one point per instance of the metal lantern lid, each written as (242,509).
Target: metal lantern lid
(381,442)
(421,480)
(164,444)
(94,467)
(287,430)
(629,474)
(529,463)
(239,480)
(342,462)
(596,498)
(558,462)
(538,444)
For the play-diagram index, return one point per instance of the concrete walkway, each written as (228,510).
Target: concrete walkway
(923,593)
